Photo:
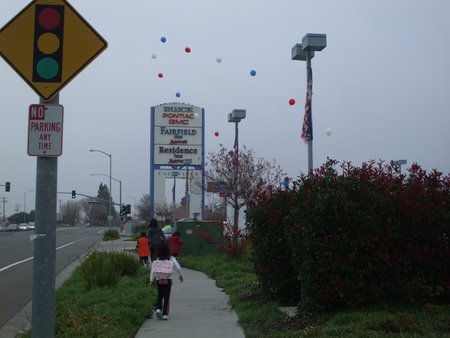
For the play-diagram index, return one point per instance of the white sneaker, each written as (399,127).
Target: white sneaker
(158,314)
(164,317)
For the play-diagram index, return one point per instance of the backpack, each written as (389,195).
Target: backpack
(162,269)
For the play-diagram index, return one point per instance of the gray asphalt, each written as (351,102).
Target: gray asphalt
(198,308)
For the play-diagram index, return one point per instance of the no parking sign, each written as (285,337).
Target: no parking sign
(45,130)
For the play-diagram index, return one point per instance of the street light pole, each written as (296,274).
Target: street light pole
(110,176)
(305,52)
(187,162)
(174,174)
(309,78)
(236,116)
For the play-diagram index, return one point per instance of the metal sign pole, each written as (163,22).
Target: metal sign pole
(43,306)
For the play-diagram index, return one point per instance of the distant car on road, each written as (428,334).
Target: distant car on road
(2,228)
(12,227)
(24,226)
(31,225)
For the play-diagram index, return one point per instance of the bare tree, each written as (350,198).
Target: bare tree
(93,210)
(70,212)
(86,210)
(163,211)
(242,176)
(98,211)
(143,209)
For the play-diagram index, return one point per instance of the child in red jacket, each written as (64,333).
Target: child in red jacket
(175,242)
(143,249)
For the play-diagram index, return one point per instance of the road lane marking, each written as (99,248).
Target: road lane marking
(30,258)
(14,264)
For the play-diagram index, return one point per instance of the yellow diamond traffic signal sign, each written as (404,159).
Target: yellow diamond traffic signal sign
(48,43)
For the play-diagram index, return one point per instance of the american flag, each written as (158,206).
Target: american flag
(307,131)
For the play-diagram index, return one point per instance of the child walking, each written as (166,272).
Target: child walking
(175,242)
(143,249)
(162,271)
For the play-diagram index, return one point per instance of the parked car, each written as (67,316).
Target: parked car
(12,227)
(23,227)
(2,228)
(31,225)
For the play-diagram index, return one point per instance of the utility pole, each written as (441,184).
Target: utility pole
(4,200)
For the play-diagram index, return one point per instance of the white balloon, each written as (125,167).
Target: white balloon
(219,60)
(328,131)
(154,56)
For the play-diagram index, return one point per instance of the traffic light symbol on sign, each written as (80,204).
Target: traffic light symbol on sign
(48,43)
(7,186)
(74,194)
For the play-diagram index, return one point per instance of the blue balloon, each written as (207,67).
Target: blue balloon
(253,72)
(163,39)
(177,94)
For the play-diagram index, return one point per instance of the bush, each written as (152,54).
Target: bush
(371,234)
(356,238)
(105,269)
(235,241)
(272,256)
(111,235)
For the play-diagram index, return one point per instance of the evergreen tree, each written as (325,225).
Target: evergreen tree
(103,195)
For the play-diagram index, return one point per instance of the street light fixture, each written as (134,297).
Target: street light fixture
(110,177)
(399,164)
(305,52)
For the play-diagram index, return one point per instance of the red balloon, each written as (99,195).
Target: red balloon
(160,75)
(216,134)
(291,102)
(187,50)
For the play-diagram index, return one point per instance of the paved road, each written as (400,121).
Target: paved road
(16,263)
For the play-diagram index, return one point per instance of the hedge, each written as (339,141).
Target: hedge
(271,255)
(357,237)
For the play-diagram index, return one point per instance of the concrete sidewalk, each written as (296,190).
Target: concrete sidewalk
(198,308)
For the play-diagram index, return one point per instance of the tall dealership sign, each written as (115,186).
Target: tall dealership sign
(177,151)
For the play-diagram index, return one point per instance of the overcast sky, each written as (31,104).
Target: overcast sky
(382,85)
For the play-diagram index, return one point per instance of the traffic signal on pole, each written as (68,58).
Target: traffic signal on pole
(122,210)
(7,186)
(74,194)
(128,209)
(48,43)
